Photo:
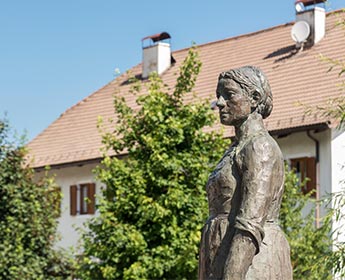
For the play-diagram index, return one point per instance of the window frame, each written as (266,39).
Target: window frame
(306,167)
(82,202)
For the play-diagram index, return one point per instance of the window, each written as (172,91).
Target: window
(306,168)
(82,199)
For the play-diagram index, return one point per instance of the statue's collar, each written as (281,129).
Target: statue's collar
(253,125)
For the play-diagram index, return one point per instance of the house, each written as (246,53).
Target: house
(71,144)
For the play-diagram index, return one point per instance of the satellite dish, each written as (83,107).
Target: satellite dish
(300,31)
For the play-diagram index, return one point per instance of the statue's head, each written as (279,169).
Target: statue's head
(251,82)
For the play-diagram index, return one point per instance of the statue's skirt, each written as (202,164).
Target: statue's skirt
(271,263)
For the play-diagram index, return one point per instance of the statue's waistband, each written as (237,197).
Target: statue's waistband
(225,216)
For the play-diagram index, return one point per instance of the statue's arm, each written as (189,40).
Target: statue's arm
(257,167)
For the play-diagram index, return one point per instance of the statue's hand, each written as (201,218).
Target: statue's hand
(240,256)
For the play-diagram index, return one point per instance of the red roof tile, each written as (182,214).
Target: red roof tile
(294,76)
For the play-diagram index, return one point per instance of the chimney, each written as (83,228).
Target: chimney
(156,54)
(310,24)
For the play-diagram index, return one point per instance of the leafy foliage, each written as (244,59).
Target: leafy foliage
(337,258)
(311,246)
(335,108)
(27,218)
(155,203)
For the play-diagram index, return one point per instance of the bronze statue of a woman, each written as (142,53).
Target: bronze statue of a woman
(241,238)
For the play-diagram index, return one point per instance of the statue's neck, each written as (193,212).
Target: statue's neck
(252,125)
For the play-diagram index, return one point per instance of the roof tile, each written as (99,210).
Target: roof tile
(294,76)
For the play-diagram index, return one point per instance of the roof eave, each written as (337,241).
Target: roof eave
(322,126)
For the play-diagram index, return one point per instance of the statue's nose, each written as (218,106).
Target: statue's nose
(220,102)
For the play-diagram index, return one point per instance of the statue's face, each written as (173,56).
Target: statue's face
(234,105)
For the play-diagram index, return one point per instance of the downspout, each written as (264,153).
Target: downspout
(317,157)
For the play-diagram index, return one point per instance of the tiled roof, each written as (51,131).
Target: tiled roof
(294,76)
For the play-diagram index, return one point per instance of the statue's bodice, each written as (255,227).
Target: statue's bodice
(225,182)
(223,186)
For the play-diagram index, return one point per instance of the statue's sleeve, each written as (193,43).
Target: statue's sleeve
(259,158)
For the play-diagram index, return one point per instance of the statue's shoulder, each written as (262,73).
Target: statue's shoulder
(262,145)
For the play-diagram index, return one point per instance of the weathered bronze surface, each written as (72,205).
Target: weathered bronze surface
(241,238)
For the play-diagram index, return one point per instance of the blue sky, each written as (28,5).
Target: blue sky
(55,53)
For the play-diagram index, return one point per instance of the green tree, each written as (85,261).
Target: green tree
(154,205)
(27,218)
(311,246)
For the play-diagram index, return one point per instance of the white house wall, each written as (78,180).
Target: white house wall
(65,177)
(293,146)
(338,159)
(297,145)
(338,171)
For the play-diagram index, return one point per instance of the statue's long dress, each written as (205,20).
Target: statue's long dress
(225,195)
